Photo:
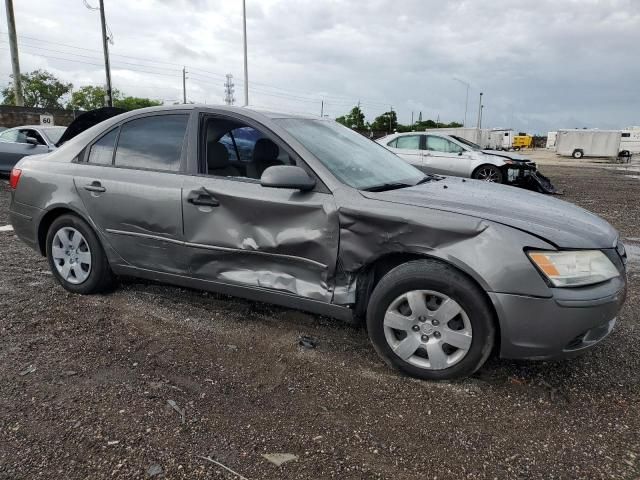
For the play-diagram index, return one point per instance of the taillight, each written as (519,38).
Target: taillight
(14,178)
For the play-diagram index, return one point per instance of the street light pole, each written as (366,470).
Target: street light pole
(466,100)
(244,37)
(480,111)
(105,47)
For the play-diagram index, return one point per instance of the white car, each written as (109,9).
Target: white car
(447,155)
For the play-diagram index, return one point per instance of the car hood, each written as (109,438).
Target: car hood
(511,156)
(560,223)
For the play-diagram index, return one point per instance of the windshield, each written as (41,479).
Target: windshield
(474,146)
(54,133)
(352,158)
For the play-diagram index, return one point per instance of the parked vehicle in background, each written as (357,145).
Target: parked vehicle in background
(322,219)
(551,140)
(437,153)
(522,141)
(578,143)
(19,142)
(630,140)
(500,139)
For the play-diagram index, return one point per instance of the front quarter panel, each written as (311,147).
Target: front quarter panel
(491,253)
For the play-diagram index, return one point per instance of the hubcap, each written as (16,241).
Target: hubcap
(488,175)
(440,342)
(71,255)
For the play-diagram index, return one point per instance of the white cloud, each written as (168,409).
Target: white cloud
(541,65)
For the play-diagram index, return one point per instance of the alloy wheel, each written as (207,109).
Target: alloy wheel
(71,255)
(428,329)
(488,175)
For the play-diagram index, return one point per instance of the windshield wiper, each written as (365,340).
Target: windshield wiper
(425,179)
(383,187)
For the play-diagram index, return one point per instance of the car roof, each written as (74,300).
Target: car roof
(40,127)
(242,110)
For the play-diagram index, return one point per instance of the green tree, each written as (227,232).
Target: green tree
(131,103)
(354,119)
(89,97)
(39,89)
(387,122)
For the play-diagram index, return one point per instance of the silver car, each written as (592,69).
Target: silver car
(313,216)
(443,154)
(18,142)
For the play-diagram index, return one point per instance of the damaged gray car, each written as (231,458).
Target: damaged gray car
(303,212)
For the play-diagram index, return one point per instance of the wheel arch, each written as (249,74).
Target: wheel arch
(371,273)
(488,164)
(49,217)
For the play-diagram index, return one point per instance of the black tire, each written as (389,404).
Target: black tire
(516,149)
(577,153)
(440,277)
(483,170)
(100,276)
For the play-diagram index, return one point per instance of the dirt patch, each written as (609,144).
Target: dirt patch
(101,371)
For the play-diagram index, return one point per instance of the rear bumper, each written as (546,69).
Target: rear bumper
(22,218)
(564,325)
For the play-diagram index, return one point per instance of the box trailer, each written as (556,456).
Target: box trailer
(588,143)
(478,136)
(501,139)
(551,140)
(630,140)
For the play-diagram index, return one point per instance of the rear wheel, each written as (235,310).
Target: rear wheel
(430,321)
(76,257)
(488,173)
(577,154)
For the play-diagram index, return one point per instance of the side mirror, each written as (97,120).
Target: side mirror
(460,153)
(287,176)
(32,141)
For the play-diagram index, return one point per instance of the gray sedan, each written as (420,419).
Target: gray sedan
(19,142)
(311,215)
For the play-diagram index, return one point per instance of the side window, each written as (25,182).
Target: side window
(439,144)
(9,136)
(236,150)
(408,142)
(27,132)
(101,152)
(152,142)
(626,135)
(393,143)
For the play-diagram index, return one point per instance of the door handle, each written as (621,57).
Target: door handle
(202,198)
(95,186)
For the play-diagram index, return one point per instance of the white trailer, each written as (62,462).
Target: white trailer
(630,140)
(478,136)
(588,143)
(551,140)
(501,139)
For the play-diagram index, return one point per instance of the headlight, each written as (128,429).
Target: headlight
(574,268)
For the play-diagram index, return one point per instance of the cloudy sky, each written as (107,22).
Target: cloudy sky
(541,64)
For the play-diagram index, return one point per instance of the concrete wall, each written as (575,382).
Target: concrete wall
(11,116)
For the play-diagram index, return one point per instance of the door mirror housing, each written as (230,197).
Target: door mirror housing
(32,141)
(287,176)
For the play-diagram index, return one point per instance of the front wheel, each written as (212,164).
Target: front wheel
(430,321)
(488,173)
(76,257)
(577,154)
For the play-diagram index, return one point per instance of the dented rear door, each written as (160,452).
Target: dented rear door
(240,233)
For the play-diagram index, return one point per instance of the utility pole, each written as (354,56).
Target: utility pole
(105,47)
(244,38)
(466,100)
(15,61)
(412,120)
(480,111)
(184,84)
(228,90)
(322,108)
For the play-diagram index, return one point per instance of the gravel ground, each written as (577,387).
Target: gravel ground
(85,383)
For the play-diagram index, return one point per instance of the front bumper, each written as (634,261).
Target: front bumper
(571,321)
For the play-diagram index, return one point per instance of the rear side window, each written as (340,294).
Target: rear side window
(152,142)
(393,143)
(101,152)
